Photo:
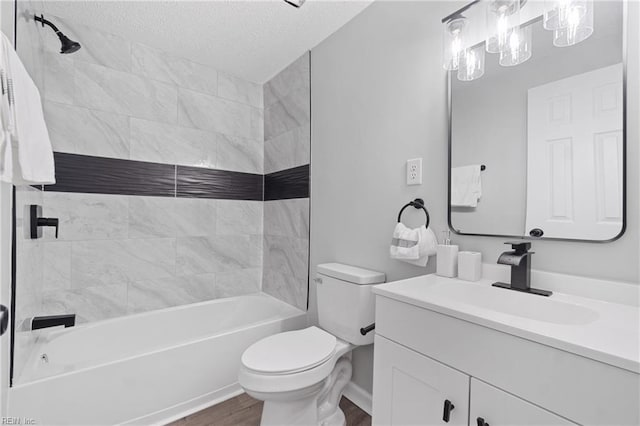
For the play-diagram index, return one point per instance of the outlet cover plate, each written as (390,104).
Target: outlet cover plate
(414,171)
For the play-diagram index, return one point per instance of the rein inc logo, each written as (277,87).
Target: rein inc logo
(17,421)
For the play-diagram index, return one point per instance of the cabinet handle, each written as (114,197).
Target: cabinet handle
(481,422)
(448,408)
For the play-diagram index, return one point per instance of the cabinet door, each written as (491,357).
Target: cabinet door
(492,407)
(411,389)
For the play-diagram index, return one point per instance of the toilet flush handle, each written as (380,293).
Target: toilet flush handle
(367,329)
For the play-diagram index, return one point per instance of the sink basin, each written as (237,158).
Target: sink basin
(600,330)
(517,304)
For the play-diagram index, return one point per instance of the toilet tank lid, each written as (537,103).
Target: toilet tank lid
(352,274)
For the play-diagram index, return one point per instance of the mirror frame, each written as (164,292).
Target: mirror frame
(625,27)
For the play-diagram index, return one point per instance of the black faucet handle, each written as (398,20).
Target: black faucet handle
(520,247)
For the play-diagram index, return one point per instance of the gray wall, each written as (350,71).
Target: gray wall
(378,99)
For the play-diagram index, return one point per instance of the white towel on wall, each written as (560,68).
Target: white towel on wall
(413,245)
(466,186)
(25,152)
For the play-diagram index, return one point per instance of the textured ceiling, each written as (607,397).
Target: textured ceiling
(251,39)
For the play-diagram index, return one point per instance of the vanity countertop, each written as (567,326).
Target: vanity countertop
(603,331)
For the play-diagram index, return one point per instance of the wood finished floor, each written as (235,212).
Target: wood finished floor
(245,411)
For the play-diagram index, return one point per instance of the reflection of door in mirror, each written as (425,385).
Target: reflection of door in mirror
(574,156)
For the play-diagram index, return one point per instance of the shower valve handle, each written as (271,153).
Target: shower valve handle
(36,221)
(48,221)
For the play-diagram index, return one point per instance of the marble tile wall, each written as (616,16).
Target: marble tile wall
(118,254)
(287,146)
(121,99)
(124,254)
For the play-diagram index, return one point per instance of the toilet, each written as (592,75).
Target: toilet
(300,375)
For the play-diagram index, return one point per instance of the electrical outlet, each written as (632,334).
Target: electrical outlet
(414,171)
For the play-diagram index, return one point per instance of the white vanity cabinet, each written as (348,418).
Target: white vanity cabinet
(493,378)
(492,407)
(412,389)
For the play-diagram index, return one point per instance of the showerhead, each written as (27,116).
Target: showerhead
(68,45)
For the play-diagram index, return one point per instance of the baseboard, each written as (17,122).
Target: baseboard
(352,392)
(359,397)
(189,407)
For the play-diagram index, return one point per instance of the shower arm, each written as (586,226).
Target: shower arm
(49,23)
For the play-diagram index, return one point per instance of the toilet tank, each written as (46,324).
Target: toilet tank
(345,301)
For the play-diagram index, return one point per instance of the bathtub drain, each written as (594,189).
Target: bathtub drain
(44,358)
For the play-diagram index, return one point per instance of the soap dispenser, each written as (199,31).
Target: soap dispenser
(447,257)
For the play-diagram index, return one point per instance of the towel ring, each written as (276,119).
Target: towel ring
(418,203)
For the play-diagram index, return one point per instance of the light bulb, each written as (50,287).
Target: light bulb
(502,17)
(456,48)
(471,63)
(452,43)
(519,47)
(578,23)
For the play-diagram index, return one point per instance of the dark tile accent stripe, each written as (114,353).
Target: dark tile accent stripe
(285,184)
(197,182)
(99,175)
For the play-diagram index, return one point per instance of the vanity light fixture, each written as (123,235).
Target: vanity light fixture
(518,47)
(577,25)
(503,18)
(504,34)
(453,42)
(471,63)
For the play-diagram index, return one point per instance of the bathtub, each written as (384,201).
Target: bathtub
(148,368)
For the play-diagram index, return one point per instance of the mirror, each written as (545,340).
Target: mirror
(550,136)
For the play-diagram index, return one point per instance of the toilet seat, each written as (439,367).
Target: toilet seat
(281,378)
(290,352)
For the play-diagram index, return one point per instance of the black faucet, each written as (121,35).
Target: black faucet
(520,261)
(68,320)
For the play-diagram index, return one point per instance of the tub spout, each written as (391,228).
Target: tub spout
(68,320)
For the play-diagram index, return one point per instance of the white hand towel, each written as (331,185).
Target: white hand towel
(27,156)
(413,245)
(466,186)
(404,244)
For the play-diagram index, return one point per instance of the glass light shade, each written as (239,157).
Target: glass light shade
(555,14)
(472,63)
(519,48)
(503,16)
(452,43)
(579,24)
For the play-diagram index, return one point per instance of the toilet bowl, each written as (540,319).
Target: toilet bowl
(300,375)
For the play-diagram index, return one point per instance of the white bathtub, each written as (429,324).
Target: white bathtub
(148,368)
